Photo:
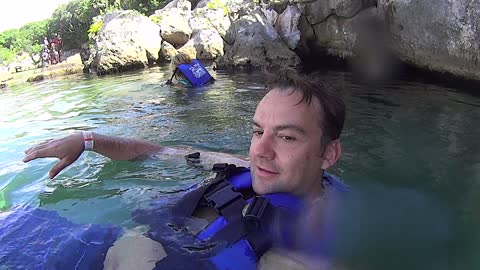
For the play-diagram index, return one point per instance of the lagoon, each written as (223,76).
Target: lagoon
(411,147)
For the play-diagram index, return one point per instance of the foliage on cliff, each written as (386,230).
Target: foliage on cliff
(72,21)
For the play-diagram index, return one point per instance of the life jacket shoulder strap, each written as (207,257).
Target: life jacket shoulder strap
(219,194)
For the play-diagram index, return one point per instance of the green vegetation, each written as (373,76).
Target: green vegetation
(146,7)
(6,55)
(219,4)
(73,19)
(26,39)
(75,23)
(155,18)
(94,29)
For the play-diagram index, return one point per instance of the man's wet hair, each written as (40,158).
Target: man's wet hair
(332,107)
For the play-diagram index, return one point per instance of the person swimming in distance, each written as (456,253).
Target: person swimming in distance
(188,72)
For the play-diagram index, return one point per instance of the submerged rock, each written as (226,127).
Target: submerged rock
(71,65)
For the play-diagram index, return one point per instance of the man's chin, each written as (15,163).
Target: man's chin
(259,190)
(260,187)
(257,187)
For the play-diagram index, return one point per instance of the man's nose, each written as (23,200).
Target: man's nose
(264,146)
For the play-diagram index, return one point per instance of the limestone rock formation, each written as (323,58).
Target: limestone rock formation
(127,40)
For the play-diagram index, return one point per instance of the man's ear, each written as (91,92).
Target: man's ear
(332,153)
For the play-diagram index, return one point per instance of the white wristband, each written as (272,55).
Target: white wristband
(88,140)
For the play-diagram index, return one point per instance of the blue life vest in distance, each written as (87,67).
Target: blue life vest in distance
(196,73)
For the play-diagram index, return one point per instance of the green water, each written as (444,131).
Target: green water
(411,147)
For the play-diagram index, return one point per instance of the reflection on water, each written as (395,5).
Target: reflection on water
(410,150)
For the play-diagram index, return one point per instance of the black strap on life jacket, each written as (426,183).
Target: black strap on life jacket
(169,81)
(208,195)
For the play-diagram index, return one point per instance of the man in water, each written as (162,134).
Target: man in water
(295,138)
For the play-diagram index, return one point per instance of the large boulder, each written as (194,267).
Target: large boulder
(208,16)
(127,40)
(256,44)
(287,26)
(189,49)
(208,44)
(167,52)
(173,21)
(318,11)
(330,26)
(440,35)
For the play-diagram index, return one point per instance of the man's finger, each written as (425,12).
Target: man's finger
(38,146)
(59,167)
(38,153)
(30,150)
(29,157)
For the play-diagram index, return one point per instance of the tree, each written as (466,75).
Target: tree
(146,7)
(26,39)
(8,38)
(73,19)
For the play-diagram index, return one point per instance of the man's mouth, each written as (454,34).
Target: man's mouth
(266,172)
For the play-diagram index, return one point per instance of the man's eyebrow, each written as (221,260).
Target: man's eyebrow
(283,127)
(290,126)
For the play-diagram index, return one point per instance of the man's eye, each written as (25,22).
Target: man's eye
(288,138)
(257,132)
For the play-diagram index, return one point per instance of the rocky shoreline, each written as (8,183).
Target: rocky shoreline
(437,35)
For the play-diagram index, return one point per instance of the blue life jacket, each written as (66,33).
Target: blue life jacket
(246,228)
(196,73)
(34,238)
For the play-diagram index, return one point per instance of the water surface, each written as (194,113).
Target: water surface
(410,149)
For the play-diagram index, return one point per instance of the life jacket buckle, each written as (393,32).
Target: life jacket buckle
(254,212)
(218,167)
(222,195)
(193,157)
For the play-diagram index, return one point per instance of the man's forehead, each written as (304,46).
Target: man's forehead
(286,93)
(284,107)
(290,96)
(286,114)
(285,98)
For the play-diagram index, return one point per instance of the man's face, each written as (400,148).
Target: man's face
(285,151)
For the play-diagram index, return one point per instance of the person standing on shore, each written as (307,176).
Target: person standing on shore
(57,42)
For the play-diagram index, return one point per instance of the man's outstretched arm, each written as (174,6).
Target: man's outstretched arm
(69,148)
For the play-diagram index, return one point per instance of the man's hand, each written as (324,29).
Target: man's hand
(66,149)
